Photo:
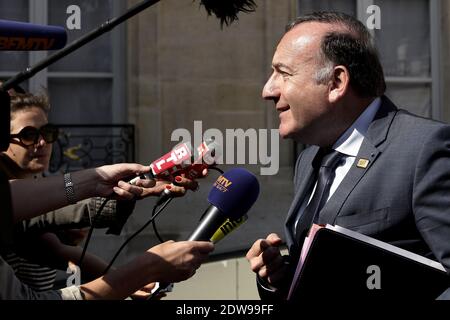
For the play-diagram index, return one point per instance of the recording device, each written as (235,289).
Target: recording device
(21,36)
(232,195)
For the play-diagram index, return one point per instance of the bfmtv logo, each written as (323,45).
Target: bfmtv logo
(223,184)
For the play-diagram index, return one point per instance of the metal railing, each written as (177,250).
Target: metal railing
(87,146)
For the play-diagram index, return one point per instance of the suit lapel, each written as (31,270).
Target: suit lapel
(367,155)
(332,208)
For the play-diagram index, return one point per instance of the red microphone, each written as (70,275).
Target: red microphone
(183,160)
(176,160)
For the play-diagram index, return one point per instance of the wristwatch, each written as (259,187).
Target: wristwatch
(68,187)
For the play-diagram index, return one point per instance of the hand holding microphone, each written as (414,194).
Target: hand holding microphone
(180,260)
(231,197)
(183,163)
(177,170)
(183,160)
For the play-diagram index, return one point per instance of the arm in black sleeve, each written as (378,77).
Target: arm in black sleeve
(431,194)
(81,215)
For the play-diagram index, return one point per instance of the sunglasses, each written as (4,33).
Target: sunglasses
(29,136)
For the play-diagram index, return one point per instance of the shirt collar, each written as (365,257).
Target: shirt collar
(350,141)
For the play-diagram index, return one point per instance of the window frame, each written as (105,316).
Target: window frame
(435,80)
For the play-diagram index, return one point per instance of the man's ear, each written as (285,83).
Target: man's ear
(339,84)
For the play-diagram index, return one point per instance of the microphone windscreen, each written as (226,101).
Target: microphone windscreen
(227,10)
(21,36)
(234,193)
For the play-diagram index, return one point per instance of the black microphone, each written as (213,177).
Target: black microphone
(232,195)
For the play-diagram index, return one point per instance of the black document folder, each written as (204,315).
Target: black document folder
(338,263)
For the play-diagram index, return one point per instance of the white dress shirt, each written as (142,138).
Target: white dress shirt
(350,142)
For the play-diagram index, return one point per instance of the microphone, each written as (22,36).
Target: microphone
(21,36)
(182,160)
(232,195)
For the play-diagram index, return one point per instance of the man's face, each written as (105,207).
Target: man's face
(300,100)
(35,158)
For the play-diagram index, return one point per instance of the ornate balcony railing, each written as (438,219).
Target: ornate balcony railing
(87,146)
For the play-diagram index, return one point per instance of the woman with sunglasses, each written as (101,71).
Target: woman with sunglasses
(36,253)
(31,136)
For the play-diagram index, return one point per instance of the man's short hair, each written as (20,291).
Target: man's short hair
(353,49)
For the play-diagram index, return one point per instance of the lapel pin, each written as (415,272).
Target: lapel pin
(363,163)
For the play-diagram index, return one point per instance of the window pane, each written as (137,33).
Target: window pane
(18,11)
(94,57)
(78,101)
(14,10)
(404,53)
(308,6)
(414,98)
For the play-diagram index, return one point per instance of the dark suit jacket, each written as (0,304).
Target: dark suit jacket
(402,197)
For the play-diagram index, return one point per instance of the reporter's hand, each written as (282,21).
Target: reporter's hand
(179,261)
(265,259)
(178,186)
(109,180)
(168,262)
(146,292)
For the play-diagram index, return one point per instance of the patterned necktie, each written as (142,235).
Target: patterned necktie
(330,161)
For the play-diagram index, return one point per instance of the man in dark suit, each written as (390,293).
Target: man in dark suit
(370,167)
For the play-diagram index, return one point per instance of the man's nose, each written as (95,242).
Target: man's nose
(271,90)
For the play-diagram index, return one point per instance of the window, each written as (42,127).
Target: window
(89,85)
(409,50)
